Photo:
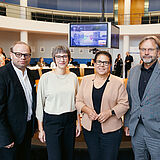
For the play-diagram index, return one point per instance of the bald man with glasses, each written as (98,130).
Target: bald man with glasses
(17,105)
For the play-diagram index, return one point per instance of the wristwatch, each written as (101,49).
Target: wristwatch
(113,112)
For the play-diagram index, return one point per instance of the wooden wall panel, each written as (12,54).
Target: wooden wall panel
(137,10)
(120,12)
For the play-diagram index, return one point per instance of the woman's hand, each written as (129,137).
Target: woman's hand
(78,129)
(78,126)
(41,136)
(92,114)
(103,116)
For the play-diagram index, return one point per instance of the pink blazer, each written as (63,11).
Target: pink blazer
(114,97)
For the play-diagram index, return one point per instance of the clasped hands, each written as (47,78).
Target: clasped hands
(102,117)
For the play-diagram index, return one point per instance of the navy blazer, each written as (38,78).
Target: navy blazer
(149,107)
(13,106)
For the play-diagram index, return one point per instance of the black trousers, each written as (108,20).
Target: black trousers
(126,70)
(20,151)
(60,133)
(118,72)
(103,146)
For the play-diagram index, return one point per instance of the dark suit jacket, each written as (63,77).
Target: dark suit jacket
(128,64)
(13,106)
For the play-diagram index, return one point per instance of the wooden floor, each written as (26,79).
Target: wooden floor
(80,143)
(39,151)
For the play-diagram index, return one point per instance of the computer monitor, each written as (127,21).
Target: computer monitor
(114,36)
(88,35)
(93,35)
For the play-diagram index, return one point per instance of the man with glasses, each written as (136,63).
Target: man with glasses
(142,121)
(17,105)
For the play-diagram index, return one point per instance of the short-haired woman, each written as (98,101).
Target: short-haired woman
(56,111)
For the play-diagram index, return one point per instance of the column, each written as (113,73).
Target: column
(126,48)
(127,6)
(23,6)
(23,15)
(24,36)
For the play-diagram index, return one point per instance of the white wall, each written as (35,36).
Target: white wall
(48,35)
(18,24)
(48,41)
(7,38)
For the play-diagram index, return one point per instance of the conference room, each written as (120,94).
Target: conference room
(86,27)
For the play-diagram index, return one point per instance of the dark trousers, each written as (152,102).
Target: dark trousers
(126,70)
(60,133)
(20,151)
(118,72)
(103,146)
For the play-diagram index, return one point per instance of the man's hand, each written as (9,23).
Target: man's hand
(126,130)
(10,145)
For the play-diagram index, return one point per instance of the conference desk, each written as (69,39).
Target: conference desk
(82,71)
(38,71)
(79,71)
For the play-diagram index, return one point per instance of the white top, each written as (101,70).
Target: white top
(26,87)
(56,94)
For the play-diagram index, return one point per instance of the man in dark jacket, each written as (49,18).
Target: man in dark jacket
(128,61)
(17,105)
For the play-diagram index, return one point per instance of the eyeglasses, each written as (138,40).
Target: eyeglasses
(150,50)
(59,57)
(105,63)
(19,55)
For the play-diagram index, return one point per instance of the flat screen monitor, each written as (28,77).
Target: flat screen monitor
(114,36)
(88,35)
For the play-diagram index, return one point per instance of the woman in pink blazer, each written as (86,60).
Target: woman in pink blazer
(102,99)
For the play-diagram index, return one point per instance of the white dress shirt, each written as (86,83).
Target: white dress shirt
(26,87)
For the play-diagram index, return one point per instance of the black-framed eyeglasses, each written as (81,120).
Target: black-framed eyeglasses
(105,63)
(19,55)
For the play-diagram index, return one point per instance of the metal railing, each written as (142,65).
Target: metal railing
(49,15)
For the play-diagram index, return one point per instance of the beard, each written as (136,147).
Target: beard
(149,59)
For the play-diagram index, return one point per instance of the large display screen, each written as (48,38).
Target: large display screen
(114,37)
(88,35)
